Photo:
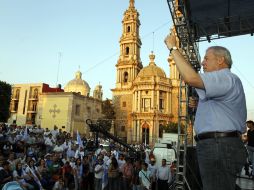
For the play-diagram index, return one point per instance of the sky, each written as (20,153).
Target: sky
(47,41)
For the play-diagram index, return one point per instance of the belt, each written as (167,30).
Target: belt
(214,135)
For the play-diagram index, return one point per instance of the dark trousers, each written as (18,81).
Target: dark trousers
(162,184)
(220,159)
(113,183)
(153,185)
(91,180)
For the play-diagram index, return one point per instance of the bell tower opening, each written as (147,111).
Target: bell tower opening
(127,51)
(128,29)
(125,77)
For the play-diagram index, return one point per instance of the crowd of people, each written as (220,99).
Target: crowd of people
(53,159)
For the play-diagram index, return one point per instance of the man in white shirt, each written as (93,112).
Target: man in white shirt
(98,173)
(55,132)
(163,176)
(145,177)
(153,169)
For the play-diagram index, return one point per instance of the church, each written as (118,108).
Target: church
(144,98)
(68,109)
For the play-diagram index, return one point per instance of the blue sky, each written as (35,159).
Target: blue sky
(87,34)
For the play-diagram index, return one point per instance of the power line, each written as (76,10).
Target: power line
(116,53)
(243,76)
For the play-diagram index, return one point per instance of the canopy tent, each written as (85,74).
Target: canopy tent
(219,18)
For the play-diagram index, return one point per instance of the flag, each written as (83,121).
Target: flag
(105,177)
(25,135)
(36,179)
(79,141)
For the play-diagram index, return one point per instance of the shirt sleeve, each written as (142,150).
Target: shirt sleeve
(217,84)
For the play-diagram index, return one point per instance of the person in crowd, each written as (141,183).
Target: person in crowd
(13,161)
(44,174)
(220,117)
(153,169)
(49,142)
(78,172)
(5,174)
(91,161)
(55,132)
(68,175)
(250,144)
(59,185)
(135,178)
(7,148)
(98,170)
(19,175)
(127,174)
(113,174)
(145,177)
(163,175)
(85,175)
(32,176)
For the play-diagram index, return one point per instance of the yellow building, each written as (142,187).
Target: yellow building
(24,102)
(144,98)
(68,110)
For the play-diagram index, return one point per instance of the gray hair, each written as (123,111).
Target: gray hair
(220,51)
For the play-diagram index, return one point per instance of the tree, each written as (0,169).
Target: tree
(171,127)
(5,100)
(109,115)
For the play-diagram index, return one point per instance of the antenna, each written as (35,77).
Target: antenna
(58,67)
(153,43)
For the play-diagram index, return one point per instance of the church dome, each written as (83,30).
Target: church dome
(152,69)
(78,85)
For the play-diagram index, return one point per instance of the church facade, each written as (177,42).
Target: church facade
(68,109)
(144,98)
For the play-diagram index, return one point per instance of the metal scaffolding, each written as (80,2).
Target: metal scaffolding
(190,52)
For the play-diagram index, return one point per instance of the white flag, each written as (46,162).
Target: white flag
(79,141)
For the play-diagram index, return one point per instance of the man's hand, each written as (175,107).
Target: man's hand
(170,40)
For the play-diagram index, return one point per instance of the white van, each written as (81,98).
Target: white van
(164,151)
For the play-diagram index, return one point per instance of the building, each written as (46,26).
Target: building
(144,98)
(24,102)
(68,110)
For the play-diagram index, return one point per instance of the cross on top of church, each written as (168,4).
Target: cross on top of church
(54,111)
(131,3)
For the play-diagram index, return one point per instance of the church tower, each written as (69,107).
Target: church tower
(128,66)
(129,63)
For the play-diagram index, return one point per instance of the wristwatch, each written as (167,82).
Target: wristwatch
(173,48)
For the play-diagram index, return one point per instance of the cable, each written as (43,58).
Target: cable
(113,55)
(243,76)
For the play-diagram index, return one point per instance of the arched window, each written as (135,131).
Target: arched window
(34,106)
(17,94)
(35,93)
(125,77)
(128,28)
(127,51)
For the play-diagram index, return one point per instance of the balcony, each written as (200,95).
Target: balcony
(33,97)
(15,98)
(31,111)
